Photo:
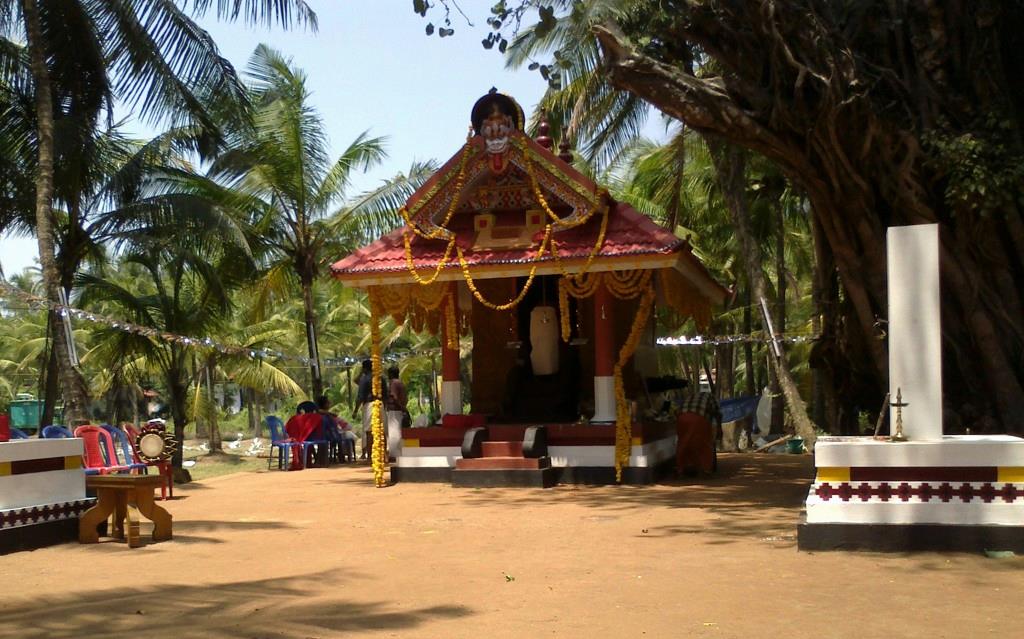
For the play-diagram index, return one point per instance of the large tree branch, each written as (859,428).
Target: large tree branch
(702,104)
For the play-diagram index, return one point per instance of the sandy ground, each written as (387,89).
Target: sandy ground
(321,553)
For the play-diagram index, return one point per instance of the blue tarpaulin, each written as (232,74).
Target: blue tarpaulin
(739,407)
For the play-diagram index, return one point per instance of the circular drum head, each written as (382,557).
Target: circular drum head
(151,445)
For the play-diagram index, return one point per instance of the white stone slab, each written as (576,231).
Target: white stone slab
(451,398)
(653,453)
(914,329)
(604,400)
(425,461)
(951,450)
(39,489)
(22,449)
(977,514)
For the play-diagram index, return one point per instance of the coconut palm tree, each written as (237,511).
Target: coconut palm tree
(281,169)
(150,54)
(177,289)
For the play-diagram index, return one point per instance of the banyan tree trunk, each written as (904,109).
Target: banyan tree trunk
(884,114)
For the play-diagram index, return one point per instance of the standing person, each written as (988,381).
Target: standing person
(398,414)
(695,428)
(364,401)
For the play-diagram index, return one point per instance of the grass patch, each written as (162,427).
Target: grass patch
(216,465)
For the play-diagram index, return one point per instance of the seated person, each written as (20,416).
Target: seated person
(340,431)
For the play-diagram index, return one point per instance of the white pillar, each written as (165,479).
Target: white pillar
(915,332)
(451,398)
(604,399)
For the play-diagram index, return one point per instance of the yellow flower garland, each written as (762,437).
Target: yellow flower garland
(379,455)
(466,275)
(450,327)
(583,288)
(539,195)
(602,231)
(441,231)
(412,266)
(623,420)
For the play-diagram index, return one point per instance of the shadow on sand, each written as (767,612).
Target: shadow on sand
(251,609)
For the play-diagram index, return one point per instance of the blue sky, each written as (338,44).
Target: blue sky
(371,67)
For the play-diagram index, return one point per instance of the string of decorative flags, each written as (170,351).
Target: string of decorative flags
(716,340)
(37,303)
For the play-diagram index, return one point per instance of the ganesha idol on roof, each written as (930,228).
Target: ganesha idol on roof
(496,117)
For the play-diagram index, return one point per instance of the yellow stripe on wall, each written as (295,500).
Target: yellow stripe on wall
(833,473)
(72,462)
(5,469)
(411,443)
(1011,474)
(638,441)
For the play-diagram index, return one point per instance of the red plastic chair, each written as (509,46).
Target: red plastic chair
(164,467)
(99,454)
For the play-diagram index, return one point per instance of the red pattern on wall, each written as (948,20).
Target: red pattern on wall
(926,492)
(30,515)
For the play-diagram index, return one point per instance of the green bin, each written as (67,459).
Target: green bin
(795,445)
(25,414)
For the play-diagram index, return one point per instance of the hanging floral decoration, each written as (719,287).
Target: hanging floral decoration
(378,454)
(599,203)
(623,419)
(625,285)
(451,329)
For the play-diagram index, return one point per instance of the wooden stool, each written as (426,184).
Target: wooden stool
(117,494)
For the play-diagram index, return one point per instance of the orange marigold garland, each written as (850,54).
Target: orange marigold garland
(412,266)
(451,329)
(602,231)
(466,275)
(623,420)
(379,455)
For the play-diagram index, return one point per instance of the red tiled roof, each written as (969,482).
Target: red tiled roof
(629,233)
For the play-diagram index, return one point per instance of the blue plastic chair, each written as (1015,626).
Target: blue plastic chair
(54,431)
(17,433)
(280,441)
(129,460)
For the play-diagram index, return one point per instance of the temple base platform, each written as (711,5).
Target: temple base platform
(42,492)
(575,454)
(958,493)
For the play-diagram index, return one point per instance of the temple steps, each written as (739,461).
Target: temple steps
(503,464)
(502,449)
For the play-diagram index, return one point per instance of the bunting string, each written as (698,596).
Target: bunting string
(36,303)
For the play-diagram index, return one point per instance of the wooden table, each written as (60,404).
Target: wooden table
(117,494)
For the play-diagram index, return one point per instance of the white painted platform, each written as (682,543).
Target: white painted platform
(932,465)
(951,450)
(40,488)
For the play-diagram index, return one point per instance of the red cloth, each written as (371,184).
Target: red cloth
(300,427)
(693,450)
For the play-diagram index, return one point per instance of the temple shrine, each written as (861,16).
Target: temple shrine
(556,284)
